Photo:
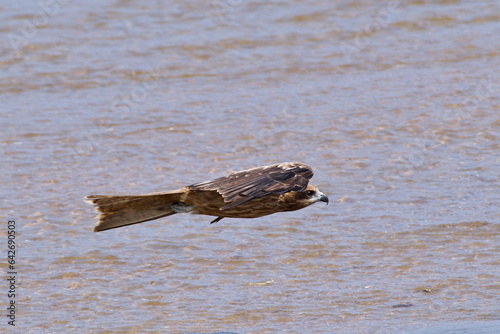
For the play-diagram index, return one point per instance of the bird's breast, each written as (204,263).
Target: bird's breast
(211,202)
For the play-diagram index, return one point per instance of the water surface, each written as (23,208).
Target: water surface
(394,104)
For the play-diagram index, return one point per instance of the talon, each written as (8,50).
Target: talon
(216,220)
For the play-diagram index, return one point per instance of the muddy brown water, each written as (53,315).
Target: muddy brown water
(394,104)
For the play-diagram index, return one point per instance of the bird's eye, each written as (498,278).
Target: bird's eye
(310,193)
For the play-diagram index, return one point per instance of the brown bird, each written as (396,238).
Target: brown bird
(250,193)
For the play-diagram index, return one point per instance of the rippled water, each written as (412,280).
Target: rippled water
(394,104)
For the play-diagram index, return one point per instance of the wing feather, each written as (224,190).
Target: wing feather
(240,187)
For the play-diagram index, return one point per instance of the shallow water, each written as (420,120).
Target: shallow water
(394,104)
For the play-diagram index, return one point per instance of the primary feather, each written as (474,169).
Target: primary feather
(240,187)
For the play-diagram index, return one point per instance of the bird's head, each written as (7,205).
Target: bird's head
(300,199)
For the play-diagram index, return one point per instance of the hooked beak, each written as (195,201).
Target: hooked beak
(324,198)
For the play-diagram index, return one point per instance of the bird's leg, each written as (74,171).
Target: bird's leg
(216,220)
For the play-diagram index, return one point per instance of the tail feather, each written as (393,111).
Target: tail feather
(118,211)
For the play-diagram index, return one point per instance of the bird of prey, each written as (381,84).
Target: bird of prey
(251,193)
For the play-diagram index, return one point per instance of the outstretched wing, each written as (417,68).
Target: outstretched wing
(240,187)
